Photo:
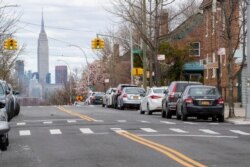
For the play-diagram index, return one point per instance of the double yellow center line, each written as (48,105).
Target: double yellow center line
(171,153)
(82,116)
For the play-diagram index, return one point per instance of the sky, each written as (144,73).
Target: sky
(67,22)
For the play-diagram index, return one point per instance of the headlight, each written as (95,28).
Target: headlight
(3,101)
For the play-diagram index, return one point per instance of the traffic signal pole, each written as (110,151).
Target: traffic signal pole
(248,61)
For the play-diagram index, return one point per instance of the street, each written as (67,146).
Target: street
(93,136)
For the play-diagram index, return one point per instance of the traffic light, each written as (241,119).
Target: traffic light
(97,42)
(102,44)
(93,44)
(10,44)
(6,44)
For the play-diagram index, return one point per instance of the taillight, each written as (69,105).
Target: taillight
(124,95)
(189,100)
(220,101)
(154,97)
(171,96)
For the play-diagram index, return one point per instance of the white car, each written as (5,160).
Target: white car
(153,100)
(107,98)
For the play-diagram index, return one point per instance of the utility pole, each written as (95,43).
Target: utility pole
(131,54)
(144,46)
(248,61)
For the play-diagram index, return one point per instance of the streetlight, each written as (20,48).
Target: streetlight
(70,86)
(86,58)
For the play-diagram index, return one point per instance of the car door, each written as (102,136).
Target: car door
(145,100)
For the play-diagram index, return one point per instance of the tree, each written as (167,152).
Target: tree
(233,36)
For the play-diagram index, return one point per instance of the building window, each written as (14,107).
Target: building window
(195,49)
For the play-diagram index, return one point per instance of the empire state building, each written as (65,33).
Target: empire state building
(43,55)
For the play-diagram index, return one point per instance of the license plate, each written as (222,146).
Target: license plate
(205,103)
(135,97)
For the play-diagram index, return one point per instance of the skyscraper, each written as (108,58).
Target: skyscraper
(61,74)
(43,54)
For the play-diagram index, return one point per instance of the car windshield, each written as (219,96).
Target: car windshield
(158,91)
(1,90)
(134,90)
(203,91)
(180,87)
(99,94)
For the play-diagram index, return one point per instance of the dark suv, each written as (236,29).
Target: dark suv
(118,93)
(169,101)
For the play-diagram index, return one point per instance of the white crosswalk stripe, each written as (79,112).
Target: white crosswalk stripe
(178,130)
(121,121)
(24,133)
(190,123)
(240,132)
(55,131)
(166,122)
(21,123)
(98,120)
(142,121)
(71,121)
(47,122)
(86,131)
(209,131)
(149,130)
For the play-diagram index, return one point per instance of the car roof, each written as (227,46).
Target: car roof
(205,86)
(186,82)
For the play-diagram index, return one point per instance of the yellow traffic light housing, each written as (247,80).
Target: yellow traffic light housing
(97,41)
(93,44)
(102,44)
(10,44)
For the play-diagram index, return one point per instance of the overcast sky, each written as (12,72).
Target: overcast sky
(66,22)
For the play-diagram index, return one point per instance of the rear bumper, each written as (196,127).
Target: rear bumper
(4,127)
(192,110)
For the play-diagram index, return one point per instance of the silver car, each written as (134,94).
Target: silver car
(107,98)
(130,97)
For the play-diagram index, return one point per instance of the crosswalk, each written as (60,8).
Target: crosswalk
(168,131)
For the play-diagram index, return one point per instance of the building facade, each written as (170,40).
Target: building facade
(43,54)
(61,74)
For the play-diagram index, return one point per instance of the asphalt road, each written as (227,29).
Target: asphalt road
(92,136)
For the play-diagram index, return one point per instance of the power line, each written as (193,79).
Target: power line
(60,28)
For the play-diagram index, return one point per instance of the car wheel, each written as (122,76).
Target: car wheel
(103,105)
(221,118)
(163,113)
(17,109)
(149,112)
(184,116)
(141,112)
(4,143)
(178,116)
(168,113)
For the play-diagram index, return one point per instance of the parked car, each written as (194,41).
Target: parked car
(170,98)
(130,97)
(152,102)
(97,98)
(15,98)
(202,102)
(4,128)
(118,92)
(89,97)
(107,98)
(7,98)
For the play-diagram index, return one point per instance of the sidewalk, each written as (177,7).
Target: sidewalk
(240,116)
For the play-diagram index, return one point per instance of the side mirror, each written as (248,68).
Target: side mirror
(16,92)
(165,91)
(7,92)
(2,105)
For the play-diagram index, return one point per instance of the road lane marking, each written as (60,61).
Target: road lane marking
(82,116)
(166,122)
(24,133)
(209,131)
(142,121)
(21,123)
(99,121)
(186,135)
(149,130)
(121,121)
(55,131)
(190,123)
(48,122)
(86,131)
(240,132)
(214,123)
(178,130)
(71,121)
(169,152)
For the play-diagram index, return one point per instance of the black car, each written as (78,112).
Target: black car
(97,98)
(170,98)
(4,128)
(202,102)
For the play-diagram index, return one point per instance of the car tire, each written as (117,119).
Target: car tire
(178,116)
(168,113)
(221,118)
(141,112)
(214,118)
(184,116)
(163,113)
(149,112)
(17,111)
(103,105)
(4,143)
